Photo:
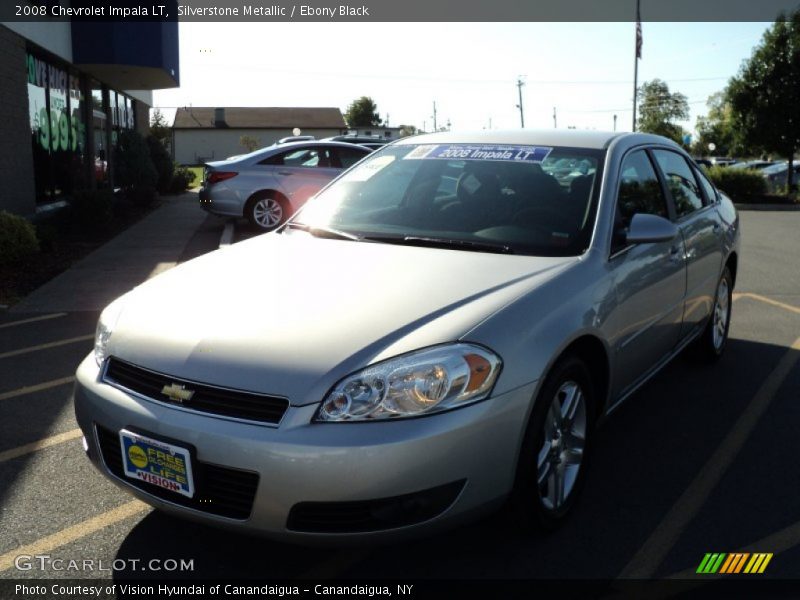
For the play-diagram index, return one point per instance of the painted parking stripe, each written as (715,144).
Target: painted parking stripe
(40,445)
(30,389)
(81,338)
(648,558)
(70,534)
(783,305)
(32,320)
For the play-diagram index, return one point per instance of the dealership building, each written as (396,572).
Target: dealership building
(68,89)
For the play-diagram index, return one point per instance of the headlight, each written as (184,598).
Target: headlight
(422,382)
(105,326)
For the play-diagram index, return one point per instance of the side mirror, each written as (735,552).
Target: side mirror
(650,229)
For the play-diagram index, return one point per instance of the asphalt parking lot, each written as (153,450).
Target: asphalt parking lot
(700,460)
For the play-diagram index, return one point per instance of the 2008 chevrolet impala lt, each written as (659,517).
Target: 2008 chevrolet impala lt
(436,333)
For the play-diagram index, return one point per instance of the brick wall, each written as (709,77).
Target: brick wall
(17,193)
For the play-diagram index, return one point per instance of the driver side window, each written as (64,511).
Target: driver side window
(639,192)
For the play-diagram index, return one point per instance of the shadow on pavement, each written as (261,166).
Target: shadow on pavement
(644,457)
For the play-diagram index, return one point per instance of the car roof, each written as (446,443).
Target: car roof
(275,148)
(543,137)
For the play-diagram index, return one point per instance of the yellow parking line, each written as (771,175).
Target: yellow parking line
(40,445)
(33,320)
(648,558)
(30,389)
(70,534)
(789,307)
(81,338)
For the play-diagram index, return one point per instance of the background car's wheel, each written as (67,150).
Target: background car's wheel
(553,458)
(266,211)
(711,343)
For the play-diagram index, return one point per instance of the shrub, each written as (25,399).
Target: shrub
(739,184)
(162,161)
(182,179)
(91,211)
(135,172)
(17,239)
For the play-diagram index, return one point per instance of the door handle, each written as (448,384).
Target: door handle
(285,173)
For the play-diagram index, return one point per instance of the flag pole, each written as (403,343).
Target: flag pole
(636,57)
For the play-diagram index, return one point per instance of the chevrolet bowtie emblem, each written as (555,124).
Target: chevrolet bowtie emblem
(178,393)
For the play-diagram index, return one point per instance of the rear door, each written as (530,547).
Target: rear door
(700,227)
(302,171)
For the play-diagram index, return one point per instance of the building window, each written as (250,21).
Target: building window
(99,135)
(58,129)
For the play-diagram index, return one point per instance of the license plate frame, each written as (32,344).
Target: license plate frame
(163,464)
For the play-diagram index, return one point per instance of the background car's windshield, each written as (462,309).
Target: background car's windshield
(532,200)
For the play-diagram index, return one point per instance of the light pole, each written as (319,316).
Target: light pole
(520,83)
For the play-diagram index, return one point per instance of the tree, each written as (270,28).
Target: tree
(765,95)
(249,143)
(406,130)
(159,128)
(362,113)
(718,128)
(659,109)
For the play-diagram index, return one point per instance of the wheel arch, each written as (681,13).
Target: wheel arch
(593,352)
(733,264)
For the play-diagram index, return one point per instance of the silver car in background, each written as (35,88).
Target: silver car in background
(267,186)
(448,323)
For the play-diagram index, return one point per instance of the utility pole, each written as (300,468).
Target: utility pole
(615,122)
(520,83)
(434,116)
(636,57)
(555,119)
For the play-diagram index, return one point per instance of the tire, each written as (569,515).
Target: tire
(266,212)
(554,456)
(709,347)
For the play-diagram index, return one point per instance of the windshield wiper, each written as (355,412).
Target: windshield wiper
(447,243)
(323,232)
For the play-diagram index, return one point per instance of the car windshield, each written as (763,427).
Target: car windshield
(507,198)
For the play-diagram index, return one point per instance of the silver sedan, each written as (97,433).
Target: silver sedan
(267,186)
(450,321)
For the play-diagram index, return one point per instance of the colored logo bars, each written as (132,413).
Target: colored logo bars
(737,562)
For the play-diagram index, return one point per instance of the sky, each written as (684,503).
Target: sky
(583,70)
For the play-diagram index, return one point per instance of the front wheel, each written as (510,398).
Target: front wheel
(712,342)
(266,212)
(553,460)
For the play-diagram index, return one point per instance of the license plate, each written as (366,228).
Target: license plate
(158,463)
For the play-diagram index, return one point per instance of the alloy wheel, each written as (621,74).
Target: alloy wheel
(721,314)
(267,213)
(561,453)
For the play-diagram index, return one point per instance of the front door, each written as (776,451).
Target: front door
(649,280)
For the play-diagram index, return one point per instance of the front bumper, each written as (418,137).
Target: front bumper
(300,462)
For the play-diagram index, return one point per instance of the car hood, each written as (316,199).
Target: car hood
(290,314)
